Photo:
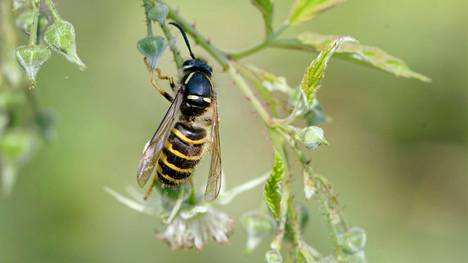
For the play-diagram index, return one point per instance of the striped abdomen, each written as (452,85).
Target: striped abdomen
(181,153)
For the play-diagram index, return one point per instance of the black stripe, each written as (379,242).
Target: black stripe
(178,161)
(190,132)
(184,148)
(165,181)
(172,173)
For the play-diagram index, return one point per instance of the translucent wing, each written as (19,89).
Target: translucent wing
(213,185)
(154,146)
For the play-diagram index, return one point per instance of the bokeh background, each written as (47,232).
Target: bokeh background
(397,153)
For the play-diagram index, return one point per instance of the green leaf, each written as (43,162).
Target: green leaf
(369,55)
(266,8)
(152,47)
(272,190)
(32,58)
(61,37)
(305,10)
(312,137)
(316,70)
(158,13)
(257,226)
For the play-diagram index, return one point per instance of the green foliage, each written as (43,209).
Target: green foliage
(316,71)
(305,10)
(272,189)
(373,56)
(266,8)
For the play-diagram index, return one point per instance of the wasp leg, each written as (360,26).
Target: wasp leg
(150,189)
(168,78)
(155,85)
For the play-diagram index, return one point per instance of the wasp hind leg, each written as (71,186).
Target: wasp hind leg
(151,187)
(159,75)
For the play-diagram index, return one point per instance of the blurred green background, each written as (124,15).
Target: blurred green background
(397,153)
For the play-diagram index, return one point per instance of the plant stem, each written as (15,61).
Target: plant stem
(147,5)
(244,87)
(218,55)
(175,52)
(34,28)
(53,10)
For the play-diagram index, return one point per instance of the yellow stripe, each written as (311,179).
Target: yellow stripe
(187,140)
(167,177)
(188,78)
(173,167)
(181,155)
(208,100)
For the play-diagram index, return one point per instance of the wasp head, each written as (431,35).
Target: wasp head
(197,64)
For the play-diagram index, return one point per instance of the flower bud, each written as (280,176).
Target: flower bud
(32,58)
(152,48)
(312,137)
(61,37)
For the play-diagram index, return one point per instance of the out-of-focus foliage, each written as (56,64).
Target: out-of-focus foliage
(396,153)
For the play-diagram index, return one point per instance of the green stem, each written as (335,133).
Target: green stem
(147,5)
(53,10)
(244,87)
(34,28)
(175,52)
(218,55)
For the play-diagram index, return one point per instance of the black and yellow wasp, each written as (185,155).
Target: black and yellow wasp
(189,128)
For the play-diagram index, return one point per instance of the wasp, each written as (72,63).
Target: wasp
(188,130)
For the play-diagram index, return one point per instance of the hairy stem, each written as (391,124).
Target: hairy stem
(35,26)
(53,10)
(175,52)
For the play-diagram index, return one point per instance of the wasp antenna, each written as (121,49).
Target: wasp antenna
(182,31)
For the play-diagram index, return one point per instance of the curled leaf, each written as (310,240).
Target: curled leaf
(61,37)
(373,56)
(266,8)
(316,70)
(158,13)
(305,10)
(32,58)
(272,190)
(152,47)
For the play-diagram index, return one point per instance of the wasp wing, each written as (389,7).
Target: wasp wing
(154,146)
(213,185)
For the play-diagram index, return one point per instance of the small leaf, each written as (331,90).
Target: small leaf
(312,137)
(273,256)
(61,37)
(32,58)
(354,240)
(272,190)
(305,10)
(152,48)
(257,226)
(266,8)
(158,13)
(316,70)
(373,56)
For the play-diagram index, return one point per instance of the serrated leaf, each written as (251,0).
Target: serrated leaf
(266,8)
(61,37)
(373,56)
(316,70)
(305,10)
(152,47)
(272,190)
(32,58)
